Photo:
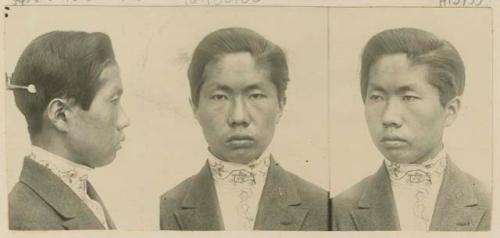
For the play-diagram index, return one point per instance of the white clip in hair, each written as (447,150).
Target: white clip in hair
(30,88)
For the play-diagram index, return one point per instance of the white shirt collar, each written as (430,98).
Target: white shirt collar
(417,173)
(239,189)
(73,174)
(415,188)
(232,172)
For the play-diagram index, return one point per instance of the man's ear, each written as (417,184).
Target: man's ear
(452,108)
(58,111)
(194,108)
(282,103)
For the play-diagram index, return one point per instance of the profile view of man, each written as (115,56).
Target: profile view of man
(411,83)
(238,81)
(68,86)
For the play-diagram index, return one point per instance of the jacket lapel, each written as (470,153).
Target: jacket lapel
(456,206)
(200,207)
(93,194)
(376,207)
(280,205)
(84,220)
(59,196)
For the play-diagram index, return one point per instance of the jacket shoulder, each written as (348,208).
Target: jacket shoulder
(170,202)
(350,197)
(345,202)
(28,211)
(307,189)
(177,193)
(483,193)
(484,200)
(314,198)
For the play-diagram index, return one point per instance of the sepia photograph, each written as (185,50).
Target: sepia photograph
(249,118)
(167,118)
(418,155)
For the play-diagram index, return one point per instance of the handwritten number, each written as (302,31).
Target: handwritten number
(460,3)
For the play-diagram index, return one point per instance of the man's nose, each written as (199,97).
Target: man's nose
(391,116)
(238,113)
(123,120)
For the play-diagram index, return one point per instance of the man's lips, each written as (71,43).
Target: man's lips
(119,144)
(393,141)
(240,140)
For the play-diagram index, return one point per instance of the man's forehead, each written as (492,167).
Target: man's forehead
(110,79)
(391,63)
(256,77)
(235,63)
(397,71)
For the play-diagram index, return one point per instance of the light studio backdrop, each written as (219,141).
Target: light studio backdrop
(164,143)
(468,141)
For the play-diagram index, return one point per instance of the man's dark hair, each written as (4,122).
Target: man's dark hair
(60,64)
(235,40)
(446,69)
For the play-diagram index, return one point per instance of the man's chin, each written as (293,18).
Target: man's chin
(399,157)
(103,162)
(242,156)
(402,159)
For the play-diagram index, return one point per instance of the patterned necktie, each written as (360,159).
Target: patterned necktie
(416,173)
(76,180)
(241,181)
(418,180)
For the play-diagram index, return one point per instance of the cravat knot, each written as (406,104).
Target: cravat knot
(421,174)
(242,176)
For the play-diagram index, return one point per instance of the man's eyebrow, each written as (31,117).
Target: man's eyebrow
(117,90)
(218,86)
(374,87)
(401,89)
(254,86)
(405,88)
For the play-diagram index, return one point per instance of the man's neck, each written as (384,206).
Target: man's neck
(54,145)
(430,156)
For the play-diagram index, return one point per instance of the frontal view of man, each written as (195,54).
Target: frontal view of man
(68,87)
(238,81)
(411,83)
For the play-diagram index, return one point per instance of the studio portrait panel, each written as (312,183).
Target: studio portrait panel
(411,119)
(148,127)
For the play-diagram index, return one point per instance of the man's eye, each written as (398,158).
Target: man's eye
(257,96)
(376,98)
(218,97)
(409,98)
(115,100)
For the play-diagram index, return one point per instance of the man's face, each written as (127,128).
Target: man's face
(403,112)
(95,134)
(238,108)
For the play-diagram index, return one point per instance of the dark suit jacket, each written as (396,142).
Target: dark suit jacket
(41,201)
(287,203)
(463,204)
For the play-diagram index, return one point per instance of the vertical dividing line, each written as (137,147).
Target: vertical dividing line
(329,207)
(494,114)
(3,114)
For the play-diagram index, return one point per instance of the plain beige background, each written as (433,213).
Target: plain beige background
(469,141)
(333,3)
(164,143)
